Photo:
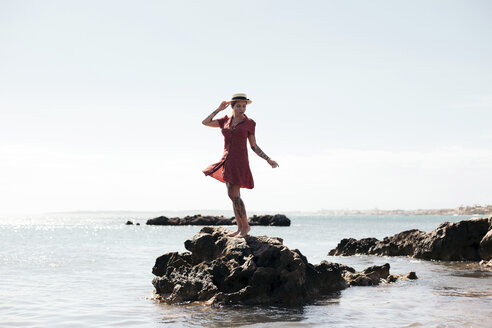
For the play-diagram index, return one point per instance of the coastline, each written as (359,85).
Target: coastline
(476,210)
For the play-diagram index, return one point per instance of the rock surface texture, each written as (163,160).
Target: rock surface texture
(264,220)
(259,270)
(467,240)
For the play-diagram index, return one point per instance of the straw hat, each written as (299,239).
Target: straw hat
(240,96)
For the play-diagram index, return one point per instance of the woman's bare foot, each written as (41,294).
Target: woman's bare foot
(244,232)
(232,234)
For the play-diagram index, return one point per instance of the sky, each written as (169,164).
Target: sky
(364,104)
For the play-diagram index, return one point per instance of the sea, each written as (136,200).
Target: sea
(92,270)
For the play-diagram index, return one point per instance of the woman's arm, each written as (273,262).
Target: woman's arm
(259,152)
(208,121)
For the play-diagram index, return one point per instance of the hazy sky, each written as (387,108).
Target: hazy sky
(363,104)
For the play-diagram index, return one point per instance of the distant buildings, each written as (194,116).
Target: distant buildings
(462,210)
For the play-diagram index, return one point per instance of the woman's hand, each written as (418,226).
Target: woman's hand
(209,121)
(223,105)
(272,163)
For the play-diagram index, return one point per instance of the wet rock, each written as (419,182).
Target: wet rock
(394,277)
(369,277)
(129,223)
(264,220)
(254,270)
(464,240)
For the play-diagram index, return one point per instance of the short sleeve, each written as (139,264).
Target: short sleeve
(222,121)
(251,129)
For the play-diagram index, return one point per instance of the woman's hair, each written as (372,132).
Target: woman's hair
(234,102)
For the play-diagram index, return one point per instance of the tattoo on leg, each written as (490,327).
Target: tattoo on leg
(241,208)
(236,214)
(260,152)
(238,203)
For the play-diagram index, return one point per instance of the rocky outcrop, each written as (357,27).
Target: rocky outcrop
(460,241)
(191,220)
(264,220)
(254,270)
(269,220)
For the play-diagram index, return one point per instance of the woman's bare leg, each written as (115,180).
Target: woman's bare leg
(244,229)
(239,210)
(231,194)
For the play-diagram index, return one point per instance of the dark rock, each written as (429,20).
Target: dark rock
(270,220)
(138,223)
(411,275)
(352,246)
(265,220)
(161,220)
(464,240)
(129,223)
(368,277)
(254,270)
(455,241)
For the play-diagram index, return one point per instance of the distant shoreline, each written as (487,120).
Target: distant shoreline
(459,211)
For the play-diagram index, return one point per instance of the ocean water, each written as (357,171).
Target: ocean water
(92,270)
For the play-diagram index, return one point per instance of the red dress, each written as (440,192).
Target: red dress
(234,164)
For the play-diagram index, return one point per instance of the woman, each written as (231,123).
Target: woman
(233,168)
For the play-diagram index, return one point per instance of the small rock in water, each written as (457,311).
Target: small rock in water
(368,277)
(129,223)
(411,275)
(394,277)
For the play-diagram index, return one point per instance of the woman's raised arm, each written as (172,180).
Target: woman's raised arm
(209,121)
(259,152)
